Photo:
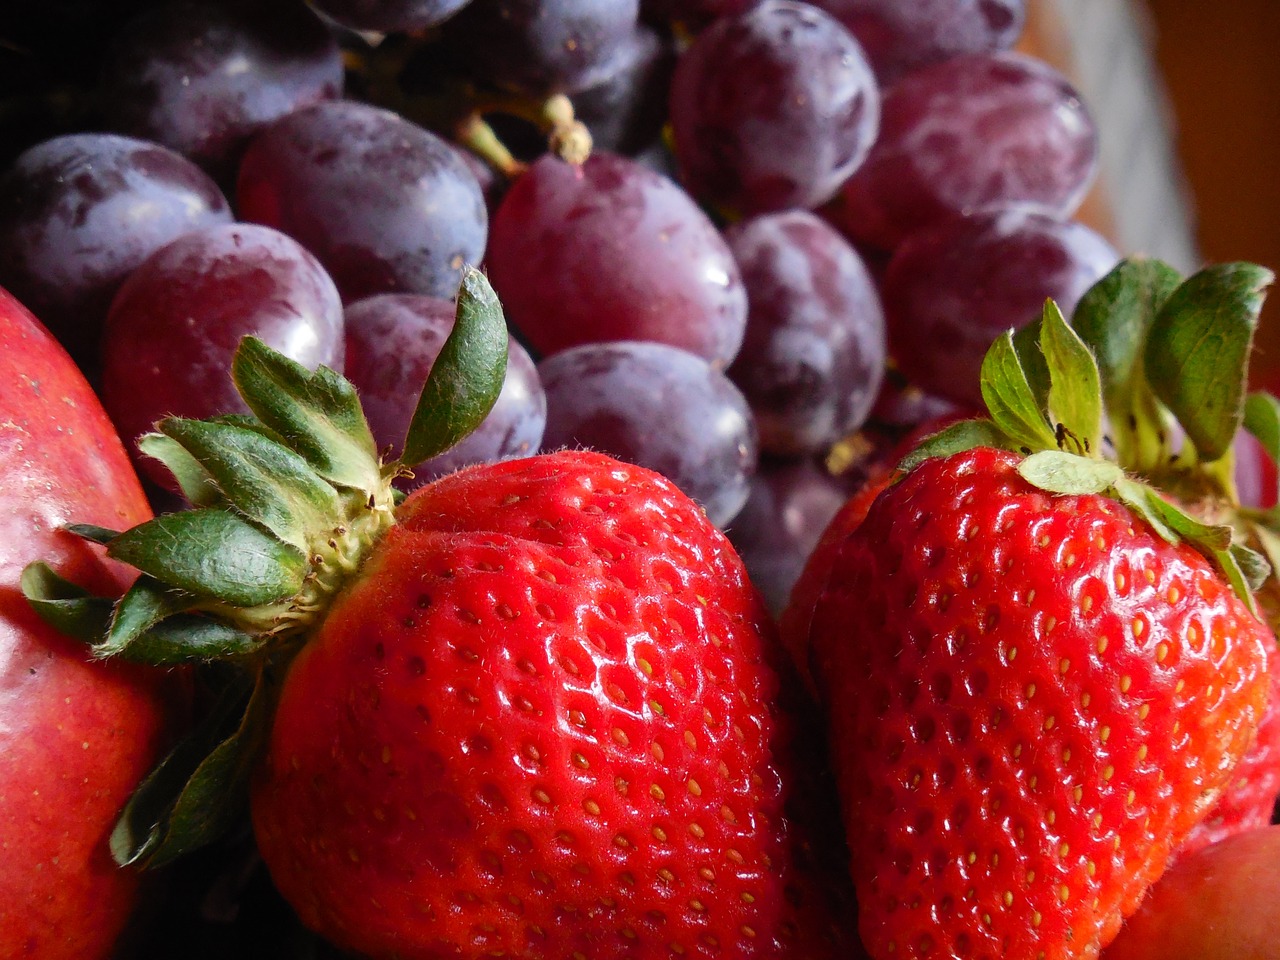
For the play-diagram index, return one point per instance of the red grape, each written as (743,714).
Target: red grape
(385,205)
(178,319)
(657,406)
(773,108)
(952,289)
(903,36)
(968,135)
(392,341)
(540,46)
(814,352)
(202,77)
(79,212)
(389,15)
(613,251)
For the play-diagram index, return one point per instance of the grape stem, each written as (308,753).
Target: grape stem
(474,133)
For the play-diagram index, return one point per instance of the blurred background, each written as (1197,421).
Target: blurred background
(1187,93)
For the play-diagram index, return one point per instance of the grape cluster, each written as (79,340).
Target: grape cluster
(749,243)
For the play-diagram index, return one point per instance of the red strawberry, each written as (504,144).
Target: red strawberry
(529,712)
(1040,672)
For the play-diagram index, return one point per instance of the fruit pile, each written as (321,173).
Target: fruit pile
(799,540)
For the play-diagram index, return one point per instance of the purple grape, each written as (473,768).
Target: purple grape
(626,110)
(789,506)
(178,319)
(613,251)
(952,289)
(968,135)
(385,205)
(814,352)
(78,213)
(392,341)
(771,109)
(693,13)
(903,36)
(390,15)
(540,46)
(203,77)
(659,407)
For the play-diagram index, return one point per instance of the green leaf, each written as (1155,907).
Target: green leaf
(1075,394)
(192,638)
(317,414)
(1198,350)
(1255,567)
(92,533)
(214,554)
(467,376)
(1026,344)
(265,481)
(1010,399)
(955,438)
(193,480)
(1060,472)
(144,605)
(1262,419)
(1113,319)
(141,835)
(67,607)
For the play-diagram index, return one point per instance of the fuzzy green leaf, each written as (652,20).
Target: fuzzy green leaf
(1113,319)
(215,554)
(192,638)
(1060,472)
(1262,419)
(265,481)
(144,605)
(1026,344)
(467,376)
(1197,352)
(955,438)
(1255,567)
(1010,399)
(67,607)
(142,834)
(317,414)
(193,480)
(1075,394)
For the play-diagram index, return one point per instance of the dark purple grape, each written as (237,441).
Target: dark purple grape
(392,341)
(952,289)
(178,319)
(692,13)
(390,15)
(79,212)
(903,35)
(789,506)
(203,77)
(659,407)
(814,352)
(385,205)
(540,46)
(625,111)
(967,135)
(772,109)
(613,251)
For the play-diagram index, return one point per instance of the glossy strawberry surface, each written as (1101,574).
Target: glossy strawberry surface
(1033,700)
(540,724)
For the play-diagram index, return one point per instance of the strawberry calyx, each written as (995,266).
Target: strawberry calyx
(1095,406)
(287,504)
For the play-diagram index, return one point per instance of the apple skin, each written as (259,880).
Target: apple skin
(1219,903)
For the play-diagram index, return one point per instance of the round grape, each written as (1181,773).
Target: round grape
(385,205)
(789,506)
(177,320)
(79,212)
(540,46)
(201,77)
(659,407)
(903,36)
(814,352)
(390,15)
(393,340)
(771,109)
(971,134)
(626,110)
(952,289)
(613,251)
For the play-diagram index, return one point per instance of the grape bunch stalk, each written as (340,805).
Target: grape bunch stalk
(756,246)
